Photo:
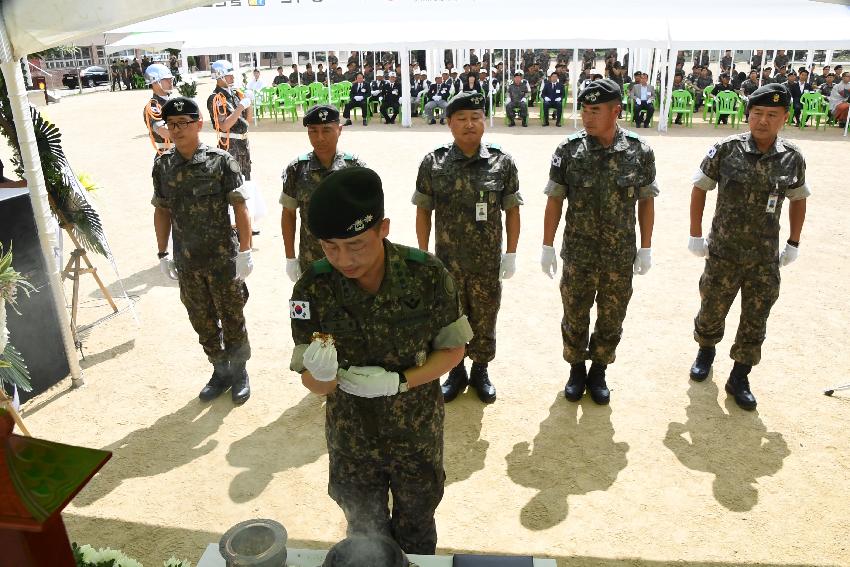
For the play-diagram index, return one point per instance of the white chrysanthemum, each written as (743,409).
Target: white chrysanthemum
(4,333)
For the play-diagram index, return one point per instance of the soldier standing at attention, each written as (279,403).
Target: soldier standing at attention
(193,185)
(229,112)
(300,179)
(754,173)
(375,325)
(602,171)
(160,80)
(468,184)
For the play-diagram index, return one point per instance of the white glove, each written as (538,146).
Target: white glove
(643,261)
(438,97)
(245,101)
(522,99)
(293,269)
(788,255)
(547,99)
(697,246)
(168,268)
(320,361)
(549,261)
(368,381)
(244,264)
(508,267)
(358,98)
(558,99)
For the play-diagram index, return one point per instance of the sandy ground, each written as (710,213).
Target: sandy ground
(671,472)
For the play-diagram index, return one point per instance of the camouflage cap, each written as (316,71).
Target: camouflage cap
(774,94)
(321,114)
(346,203)
(471,100)
(599,91)
(180,106)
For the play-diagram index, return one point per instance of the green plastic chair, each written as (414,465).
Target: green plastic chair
(682,103)
(707,101)
(282,94)
(267,102)
(815,106)
(342,93)
(726,104)
(318,93)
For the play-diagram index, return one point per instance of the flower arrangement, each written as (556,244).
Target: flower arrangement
(87,556)
(189,90)
(13,370)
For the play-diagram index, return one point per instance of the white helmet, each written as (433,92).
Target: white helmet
(221,68)
(157,72)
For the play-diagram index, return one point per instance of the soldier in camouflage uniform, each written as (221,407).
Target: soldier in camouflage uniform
(228,108)
(754,173)
(300,179)
(160,80)
(468,184)
(193,185)
(602,171)
(395,325)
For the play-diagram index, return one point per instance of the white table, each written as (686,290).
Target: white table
(315,557)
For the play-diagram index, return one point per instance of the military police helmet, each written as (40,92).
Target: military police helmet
(157,72)
(221,68)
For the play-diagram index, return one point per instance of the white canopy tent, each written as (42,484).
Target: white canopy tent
(405,25)
(25,29)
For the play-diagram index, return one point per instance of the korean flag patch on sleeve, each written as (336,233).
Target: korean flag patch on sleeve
(711,151)
(556,160)
(299,309)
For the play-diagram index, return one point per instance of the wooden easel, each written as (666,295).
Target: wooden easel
(73,270)
(6,403)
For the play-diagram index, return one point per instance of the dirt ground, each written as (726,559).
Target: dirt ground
(671,473)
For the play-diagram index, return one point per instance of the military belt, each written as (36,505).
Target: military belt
(226,135)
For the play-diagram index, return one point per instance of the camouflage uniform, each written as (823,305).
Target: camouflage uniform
(517,93)
(390,443)
(300,179)
(602,186)
(197,193)
(743,246)
(452,185)
(234,141)
(152,115)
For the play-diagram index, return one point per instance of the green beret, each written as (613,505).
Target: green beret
(346,203)
(180,106)
(470,100)
(773,94)
(321,114)
(599,91)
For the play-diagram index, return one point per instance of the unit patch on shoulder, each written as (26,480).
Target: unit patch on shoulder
(711,151)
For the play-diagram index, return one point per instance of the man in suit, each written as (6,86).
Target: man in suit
(357,99)
(553,97)
(437,97)
(796,90)
(643,95)
(390,99)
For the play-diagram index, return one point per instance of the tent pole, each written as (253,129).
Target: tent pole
(11,69)
(574,85)
(810,59)
(667,87)
(489,81)
(404,55)
(763,65)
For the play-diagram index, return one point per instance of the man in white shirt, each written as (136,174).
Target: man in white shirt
(643,96)
(255,85)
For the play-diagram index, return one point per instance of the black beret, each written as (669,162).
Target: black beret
(180,106)
(599,91)
(366,551)
(774,94)
(346,203)
(321,114)
(465,101)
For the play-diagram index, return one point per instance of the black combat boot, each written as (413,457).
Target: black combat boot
(574,389)
(480,381)
(347,123)
(456,383)
(702,365)
(525,122)
(596,386)
(219,382)
(738,386)
(241,389)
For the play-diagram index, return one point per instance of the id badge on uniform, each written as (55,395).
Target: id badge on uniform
(480,212)
(771,203)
